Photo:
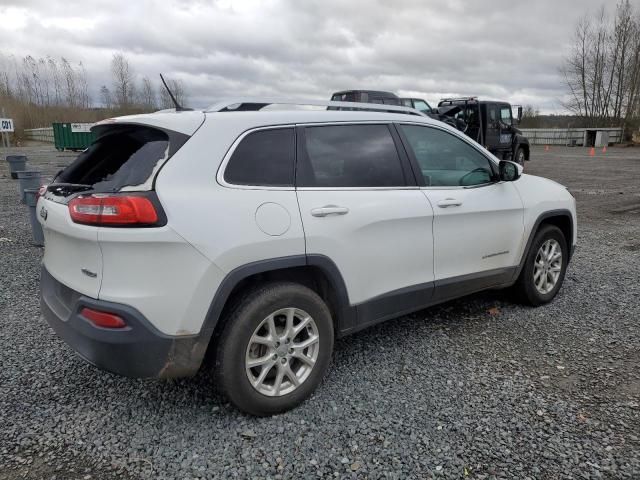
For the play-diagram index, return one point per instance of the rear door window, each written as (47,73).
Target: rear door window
(350,156)
(122,158)
(263,158)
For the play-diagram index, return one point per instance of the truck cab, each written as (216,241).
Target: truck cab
(491,124)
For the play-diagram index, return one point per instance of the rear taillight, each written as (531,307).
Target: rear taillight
(103,319)
(113,210)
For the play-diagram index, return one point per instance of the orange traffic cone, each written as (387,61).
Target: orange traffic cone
(604,149)
(546,148)
(592,152)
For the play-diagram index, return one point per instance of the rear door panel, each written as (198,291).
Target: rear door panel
(383,244)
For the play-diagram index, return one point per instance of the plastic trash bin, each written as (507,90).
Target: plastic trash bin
(31,199)
(16,163)
(27,179)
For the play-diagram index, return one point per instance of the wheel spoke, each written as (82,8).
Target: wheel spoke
(268,341)
(288,329)
(306,343)
(298,328)
(552,250)
(550,280)
(303,358)
(263,374)
(537,274)
(273,333)
(278,382)
(291,376)
(258,362)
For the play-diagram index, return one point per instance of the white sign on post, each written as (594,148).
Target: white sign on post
(81,127)
(6,125)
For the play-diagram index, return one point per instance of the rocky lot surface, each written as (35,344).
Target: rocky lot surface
(479,388)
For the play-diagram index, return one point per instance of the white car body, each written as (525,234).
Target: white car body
(394,245)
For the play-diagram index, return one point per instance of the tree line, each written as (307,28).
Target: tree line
(38,91)
(602,71)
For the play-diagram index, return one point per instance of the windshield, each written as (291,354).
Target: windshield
(422,106)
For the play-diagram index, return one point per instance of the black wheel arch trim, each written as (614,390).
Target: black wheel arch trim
(544,216)
(346,314)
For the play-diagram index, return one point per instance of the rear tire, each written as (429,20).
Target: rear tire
(543,271)
(267,328)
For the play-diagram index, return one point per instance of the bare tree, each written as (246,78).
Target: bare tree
(147,95)
(70,86)
(55,81)
(602,71)
(123,81)
(105,97)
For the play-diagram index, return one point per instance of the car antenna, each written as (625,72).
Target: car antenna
(179,108)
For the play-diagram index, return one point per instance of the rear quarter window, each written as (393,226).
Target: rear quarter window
(263,158)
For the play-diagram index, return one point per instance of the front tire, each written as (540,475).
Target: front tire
(519,156)
(275,348)
(544,268)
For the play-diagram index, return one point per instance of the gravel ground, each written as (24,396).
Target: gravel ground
(476,388)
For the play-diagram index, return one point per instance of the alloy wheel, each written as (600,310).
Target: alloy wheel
(547,266)
(282,352)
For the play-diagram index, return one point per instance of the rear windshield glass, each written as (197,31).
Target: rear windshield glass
(121,158)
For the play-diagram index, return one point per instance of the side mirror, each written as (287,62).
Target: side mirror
(519,113)
(509,171)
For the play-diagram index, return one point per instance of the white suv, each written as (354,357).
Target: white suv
(259,235)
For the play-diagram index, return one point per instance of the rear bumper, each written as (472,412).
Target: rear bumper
(139,350)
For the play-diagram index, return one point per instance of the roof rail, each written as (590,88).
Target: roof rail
(461,99)
(258,103)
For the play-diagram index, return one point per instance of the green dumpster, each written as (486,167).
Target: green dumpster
(72,136)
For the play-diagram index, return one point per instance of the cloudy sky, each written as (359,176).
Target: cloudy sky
(503,49)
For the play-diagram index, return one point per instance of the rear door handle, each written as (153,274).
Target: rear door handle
(329,210)
(449,202)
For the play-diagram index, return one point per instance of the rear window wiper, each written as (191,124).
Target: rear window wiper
(66,189)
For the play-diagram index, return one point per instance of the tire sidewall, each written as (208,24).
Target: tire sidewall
(546,233)
(231,359)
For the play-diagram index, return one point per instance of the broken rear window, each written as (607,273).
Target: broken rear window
(122,158)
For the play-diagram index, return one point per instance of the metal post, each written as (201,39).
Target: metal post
(5,136)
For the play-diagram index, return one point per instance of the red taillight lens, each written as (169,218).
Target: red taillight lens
(113,210)
(103,319)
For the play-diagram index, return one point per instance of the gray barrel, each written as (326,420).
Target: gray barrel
(16,164)
(27,179)
(30,195)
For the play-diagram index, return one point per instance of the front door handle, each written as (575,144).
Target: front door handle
(449,202)
(329,210)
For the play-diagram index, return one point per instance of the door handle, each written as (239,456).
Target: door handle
(329,210)
(449,202)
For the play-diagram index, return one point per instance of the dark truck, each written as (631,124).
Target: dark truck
(491,124)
